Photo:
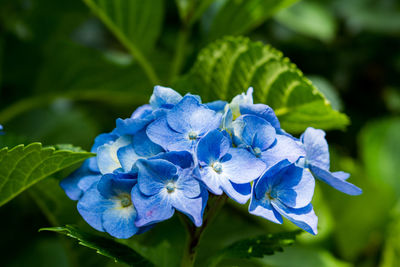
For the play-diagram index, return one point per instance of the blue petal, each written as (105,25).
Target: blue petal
(217,106)
(316,148)
(143,145)
(238,192)
(284,148)
(242,167)
(267,180)
(335,181)
(188,184)
(107,157)
(164,97)
(212,147)
(182,159)
(127,157)
(119,221)
(192,207)
(160,133)
(111,186)
(264,209)
(142,112)
(295,187)
(79,181)
(211,179)
(189,115)
(257,132)
(304,218)
(262,111)
(151,209)
(131,126)
(99,141)
(91,207)
(154,174)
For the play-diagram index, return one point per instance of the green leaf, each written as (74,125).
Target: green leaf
(229,66)
(104,246)
(310,19)
(257,247)
(191,10)
(237,17)
(23,166)
(136,24)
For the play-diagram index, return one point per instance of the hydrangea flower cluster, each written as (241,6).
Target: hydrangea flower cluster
(171,154)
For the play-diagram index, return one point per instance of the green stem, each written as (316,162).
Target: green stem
(195,233)
(135,52)
(180,52)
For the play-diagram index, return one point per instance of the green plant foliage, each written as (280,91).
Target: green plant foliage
(104,246)
(309,18)
(229,66)
(257,247)
(23,166)
(236,17)
(191,10)
(136,24)
(380,146)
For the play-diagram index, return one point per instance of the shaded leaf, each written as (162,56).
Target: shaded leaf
(104,246)
(262,245)
(310,19)
(229,66)
(23,166)
(236,17)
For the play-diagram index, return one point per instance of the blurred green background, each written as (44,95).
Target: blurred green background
(64,78)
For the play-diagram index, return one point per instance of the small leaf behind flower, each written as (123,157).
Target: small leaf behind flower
(104,246)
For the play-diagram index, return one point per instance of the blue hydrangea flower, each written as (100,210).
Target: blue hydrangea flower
(285,190)
(107,158)
(107,206)
(165,186)
(164,97)
(263,111)
(184,125)
(259,137)
(226,169)
(317,160)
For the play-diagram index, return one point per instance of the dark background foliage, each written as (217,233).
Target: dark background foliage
(64,78)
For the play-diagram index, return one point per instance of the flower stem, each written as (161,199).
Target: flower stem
(195,233)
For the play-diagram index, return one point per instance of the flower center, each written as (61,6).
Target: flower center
(126,202)
(170,187)
(257,152)
(270,195)
(192,135)
(217,167)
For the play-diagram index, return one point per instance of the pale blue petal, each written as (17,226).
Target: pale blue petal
(264,209)
(242,167)
(154,174)
(91,207)
(240,100)
(188,184)
(160,133)
(182,159)
(316,148)
(143,146)
(304,218)
(212,147)
(119,221)
(189,115)
(217,106)
(142,112)
(212,180)
(127,157)
(164,97)
(107,157)
(191,207)
(239,192)
(262,111)
(151,209)
(284,148)
(335,181)
(99,141)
